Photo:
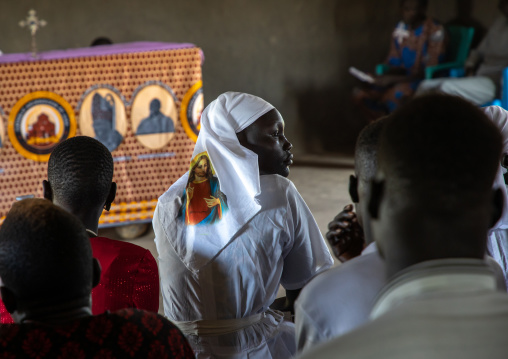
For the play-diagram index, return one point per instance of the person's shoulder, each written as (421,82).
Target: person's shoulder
(105,243)
(277,191)
(151,327)
(139,316)
(359,271)
(150,323)
(276,183)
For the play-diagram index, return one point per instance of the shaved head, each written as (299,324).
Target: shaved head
(432,197)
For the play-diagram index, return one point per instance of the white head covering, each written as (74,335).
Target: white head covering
(236,168)
(500,118)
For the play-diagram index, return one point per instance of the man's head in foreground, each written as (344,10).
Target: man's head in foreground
(80,175)
(46,265)
(432,197)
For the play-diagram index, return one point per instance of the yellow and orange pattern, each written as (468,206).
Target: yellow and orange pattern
(142,174)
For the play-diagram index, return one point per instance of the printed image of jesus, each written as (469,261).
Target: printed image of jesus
(203,202)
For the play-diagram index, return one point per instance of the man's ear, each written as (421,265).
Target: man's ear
(111,196)
(9,299)
(375,197)
(497,206)
(96,277)
(47,191)
(353,189)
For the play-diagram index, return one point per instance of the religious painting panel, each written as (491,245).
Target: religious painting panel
(117,75)
(203,203)
(154,115)
(102,115)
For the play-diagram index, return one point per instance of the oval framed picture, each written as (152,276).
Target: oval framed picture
(190,111)
(2,129)
(154,115)
(102,115)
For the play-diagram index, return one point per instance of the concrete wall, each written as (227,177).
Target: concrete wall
(294,53)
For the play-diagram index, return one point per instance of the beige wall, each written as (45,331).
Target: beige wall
(294,53)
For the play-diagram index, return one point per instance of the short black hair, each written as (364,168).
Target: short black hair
(45,253)
(423,3)
(101,41)
(80,172)
(366,149)
(441,151)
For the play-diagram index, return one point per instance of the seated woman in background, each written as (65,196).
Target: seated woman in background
(417,42)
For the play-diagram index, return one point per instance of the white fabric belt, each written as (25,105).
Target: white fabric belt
(223,326)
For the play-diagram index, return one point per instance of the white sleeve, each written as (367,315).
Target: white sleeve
(308,333)
(306,254)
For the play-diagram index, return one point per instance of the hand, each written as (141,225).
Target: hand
(384,80)
(345,235)
(190,193)
(212,201)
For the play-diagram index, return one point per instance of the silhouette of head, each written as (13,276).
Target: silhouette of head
(45,257)
(432,195)
(155,106)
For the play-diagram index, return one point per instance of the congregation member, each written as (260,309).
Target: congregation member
(430,215)
(484,67)
(233,229)
(47,272)
(497,244)
(348,292)
(345,235)
(417,41)
(340,299)
(80,180)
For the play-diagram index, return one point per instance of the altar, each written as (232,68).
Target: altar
(142,100)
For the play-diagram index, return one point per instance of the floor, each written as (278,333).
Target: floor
(324,190)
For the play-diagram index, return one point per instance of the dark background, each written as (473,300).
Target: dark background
(293,53)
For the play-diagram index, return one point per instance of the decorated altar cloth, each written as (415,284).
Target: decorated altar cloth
(142,100)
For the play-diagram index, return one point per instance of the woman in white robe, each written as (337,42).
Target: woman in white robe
(219,280)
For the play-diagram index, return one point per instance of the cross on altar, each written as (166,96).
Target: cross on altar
(33,23)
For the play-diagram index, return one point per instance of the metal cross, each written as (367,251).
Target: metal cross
(33,23)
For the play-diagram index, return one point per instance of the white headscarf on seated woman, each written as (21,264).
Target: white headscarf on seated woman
(227,237)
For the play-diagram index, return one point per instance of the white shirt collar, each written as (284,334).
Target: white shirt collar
(437,276)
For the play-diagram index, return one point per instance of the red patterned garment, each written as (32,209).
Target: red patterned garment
(129,333)
(5,317)
(129,279)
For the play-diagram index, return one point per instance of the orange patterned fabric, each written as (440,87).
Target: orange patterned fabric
(142,174)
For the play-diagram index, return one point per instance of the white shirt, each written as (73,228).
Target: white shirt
(282,244)
(339,300)
(436,309)
(492,53)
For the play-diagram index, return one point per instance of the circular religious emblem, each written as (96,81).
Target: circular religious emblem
(190,111)
(102,116)
(2,128)
(38,122)
(153,115)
